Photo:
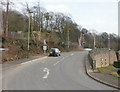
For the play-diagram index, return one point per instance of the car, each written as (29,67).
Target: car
(54,52)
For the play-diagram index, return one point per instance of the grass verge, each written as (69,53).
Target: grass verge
(103,69)
(114,74)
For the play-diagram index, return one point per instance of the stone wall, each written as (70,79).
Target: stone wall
(119,55)
(103,57)
(1,30)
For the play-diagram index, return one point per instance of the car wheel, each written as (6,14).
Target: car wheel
(57,55)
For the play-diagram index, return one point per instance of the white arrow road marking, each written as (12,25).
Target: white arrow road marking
(47,73)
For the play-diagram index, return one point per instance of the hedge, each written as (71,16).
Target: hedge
(117,64)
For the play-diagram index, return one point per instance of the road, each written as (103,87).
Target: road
(66,72)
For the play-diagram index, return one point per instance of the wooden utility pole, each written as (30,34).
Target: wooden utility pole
(109,41)
(29,31)
(29,28)
(109,47)
(68,40)
(39,24)
(83,43)
(94,36)
(1,23)
(80,40)
(7,9)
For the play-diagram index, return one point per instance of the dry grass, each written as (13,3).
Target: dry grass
(114,74)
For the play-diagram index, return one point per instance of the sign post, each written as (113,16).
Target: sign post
(44,46)
(44,49)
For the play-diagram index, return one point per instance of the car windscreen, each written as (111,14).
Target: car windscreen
(52,49)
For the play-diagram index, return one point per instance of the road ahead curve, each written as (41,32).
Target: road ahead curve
(66,72)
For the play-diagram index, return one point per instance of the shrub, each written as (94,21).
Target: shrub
(118,72)
(117,64)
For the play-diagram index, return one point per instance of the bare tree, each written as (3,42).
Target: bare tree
(7,3)
(6,21)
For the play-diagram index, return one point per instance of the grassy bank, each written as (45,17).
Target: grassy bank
(103,69)
(114,74)
(18,48)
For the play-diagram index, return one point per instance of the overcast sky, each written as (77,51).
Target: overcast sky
(100,15)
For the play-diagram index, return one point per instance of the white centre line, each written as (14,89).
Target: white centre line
(56,63)
(72,54)
(63,58)
(43,62)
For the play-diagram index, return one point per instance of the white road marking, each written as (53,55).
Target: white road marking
(26,62)
(34,60)
(66,57)
(63,58)
(56,63)
(40,68)
(72,54)
(47,73)
(42,62)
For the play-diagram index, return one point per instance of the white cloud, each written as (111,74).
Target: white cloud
(92,23)
(100,22)
(80,12)
(72,1)
(57,8)
(100,26)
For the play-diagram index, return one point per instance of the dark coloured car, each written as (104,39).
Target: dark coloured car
(54,52)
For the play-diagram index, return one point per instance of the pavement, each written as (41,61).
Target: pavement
(104,78)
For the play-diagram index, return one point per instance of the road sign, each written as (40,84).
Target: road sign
(44,48)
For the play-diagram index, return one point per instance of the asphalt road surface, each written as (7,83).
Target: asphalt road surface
(66,72)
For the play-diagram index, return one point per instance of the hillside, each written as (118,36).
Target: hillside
(18,47)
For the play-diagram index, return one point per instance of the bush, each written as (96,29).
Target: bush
(117,64)
(118,72)
(117,54)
